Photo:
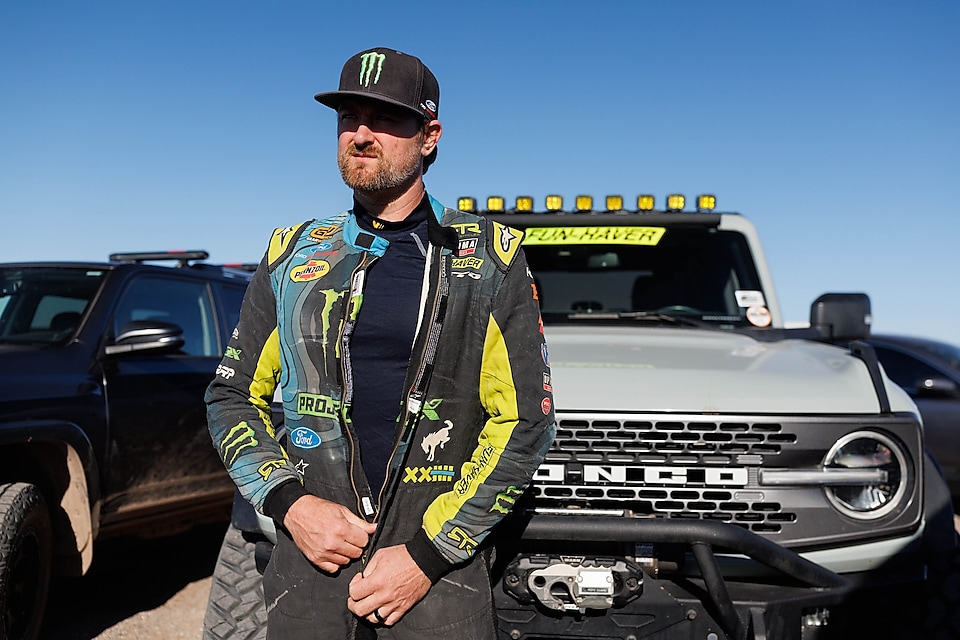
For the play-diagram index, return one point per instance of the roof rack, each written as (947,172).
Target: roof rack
(183,258)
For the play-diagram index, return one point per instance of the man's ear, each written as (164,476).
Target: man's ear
(432,132)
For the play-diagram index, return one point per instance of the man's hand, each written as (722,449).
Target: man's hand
(389,586)
(328,534)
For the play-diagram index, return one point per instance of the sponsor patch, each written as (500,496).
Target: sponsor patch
(268,467)
(463,540)
(463,485)
(547,383)
(437,473)
(465,228)
(279,242)
(545,406)
(233,353)
(312,404)
(506,499)
(506,242)
(323,233)
(226,372)
(305,438)
(311,271)
(438,438)
(467,263)
(237,439)
(466,247)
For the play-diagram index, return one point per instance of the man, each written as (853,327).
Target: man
(406,343)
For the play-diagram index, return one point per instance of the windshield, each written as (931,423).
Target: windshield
(44,305)
(693,272)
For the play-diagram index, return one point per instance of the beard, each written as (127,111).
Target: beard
(385,175)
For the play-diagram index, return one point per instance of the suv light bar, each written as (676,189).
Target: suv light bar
(584,204)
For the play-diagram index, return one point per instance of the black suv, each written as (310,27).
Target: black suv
(102,421)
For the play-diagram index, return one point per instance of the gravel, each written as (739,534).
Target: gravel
(138,590)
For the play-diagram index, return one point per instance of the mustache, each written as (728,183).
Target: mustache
(356,152)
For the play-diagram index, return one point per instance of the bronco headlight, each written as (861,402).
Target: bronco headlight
(881,489)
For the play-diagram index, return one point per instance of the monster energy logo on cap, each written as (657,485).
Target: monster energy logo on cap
(369,61)
(388,76)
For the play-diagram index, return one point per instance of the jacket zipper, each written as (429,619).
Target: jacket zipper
(364,502)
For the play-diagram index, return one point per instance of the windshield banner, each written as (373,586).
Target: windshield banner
(648,236)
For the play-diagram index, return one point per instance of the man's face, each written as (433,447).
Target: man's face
(379,147)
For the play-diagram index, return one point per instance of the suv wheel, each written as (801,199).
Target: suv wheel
(25,560)
(235,610)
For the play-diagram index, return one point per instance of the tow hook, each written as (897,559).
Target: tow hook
(573,583)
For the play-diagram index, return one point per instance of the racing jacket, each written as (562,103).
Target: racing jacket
(477,415)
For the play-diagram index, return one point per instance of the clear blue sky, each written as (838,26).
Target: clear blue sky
(178,125)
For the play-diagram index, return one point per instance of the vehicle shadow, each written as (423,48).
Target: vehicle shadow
(128,576)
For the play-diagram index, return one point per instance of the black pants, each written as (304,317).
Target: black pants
(304,603)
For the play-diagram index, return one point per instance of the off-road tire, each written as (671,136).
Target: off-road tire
(25,560)
(235,609)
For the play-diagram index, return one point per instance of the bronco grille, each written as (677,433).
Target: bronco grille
(695,467)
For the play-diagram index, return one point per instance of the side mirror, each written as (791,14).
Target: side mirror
(841,317)
(146,335)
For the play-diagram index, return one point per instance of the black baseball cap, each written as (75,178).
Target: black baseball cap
(389,76)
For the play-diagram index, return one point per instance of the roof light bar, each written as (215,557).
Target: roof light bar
(706,202)
(495,203)
(676,202)
(645,202)
(181,256)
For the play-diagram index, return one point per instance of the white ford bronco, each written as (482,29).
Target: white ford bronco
(714,475)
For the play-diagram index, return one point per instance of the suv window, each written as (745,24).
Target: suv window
(905,370)
(44,304)
(232,301)
(183,302)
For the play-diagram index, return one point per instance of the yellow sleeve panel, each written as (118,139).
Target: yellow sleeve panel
(499,398)
(265,378)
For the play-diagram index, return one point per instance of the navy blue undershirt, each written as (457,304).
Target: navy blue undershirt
(383,336)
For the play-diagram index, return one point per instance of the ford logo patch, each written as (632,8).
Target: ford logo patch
(305,438)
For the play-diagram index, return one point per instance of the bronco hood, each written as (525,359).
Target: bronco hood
(702,371)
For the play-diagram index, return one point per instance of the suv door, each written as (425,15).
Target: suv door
(159,446)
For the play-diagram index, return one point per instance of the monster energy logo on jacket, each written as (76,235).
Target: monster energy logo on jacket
(369,62)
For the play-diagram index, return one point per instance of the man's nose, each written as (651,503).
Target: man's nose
(363,135)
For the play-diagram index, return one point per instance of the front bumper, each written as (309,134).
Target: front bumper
(788,598)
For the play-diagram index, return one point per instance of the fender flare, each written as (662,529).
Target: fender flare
(66,471)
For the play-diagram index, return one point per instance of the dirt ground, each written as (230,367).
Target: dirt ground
(138,590)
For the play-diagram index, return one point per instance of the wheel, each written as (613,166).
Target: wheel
(235,609)
(25,560)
